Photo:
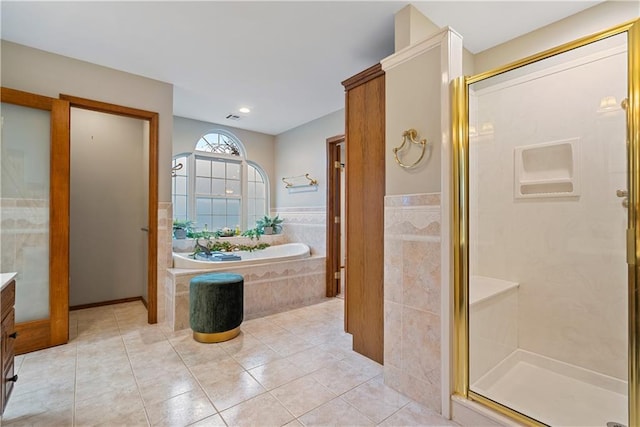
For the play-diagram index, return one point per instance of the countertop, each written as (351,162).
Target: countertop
(5,278)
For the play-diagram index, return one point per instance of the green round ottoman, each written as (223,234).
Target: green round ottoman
(216,306)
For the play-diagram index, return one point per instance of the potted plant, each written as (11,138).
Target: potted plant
(252,233)
(181,228)
(269,225)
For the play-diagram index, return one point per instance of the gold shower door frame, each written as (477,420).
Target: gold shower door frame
(460,232)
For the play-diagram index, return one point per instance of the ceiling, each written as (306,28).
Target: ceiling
(283,60)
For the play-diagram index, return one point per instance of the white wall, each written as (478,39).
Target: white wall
(590,21)
(259,146)
(413,101)
(45,73)
(304,150)
(108,208)
(568,254)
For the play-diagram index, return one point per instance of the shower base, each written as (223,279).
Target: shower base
(554,392)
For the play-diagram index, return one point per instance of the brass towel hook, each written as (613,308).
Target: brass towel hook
(412,134)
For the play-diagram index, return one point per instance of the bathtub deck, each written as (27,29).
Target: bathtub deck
(555,393)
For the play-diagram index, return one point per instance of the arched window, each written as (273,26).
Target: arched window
(216,187)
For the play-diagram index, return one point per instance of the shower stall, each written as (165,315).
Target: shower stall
(546,208)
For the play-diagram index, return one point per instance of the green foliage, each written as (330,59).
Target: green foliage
(183,224)
(226,246)
(267,221)
(204,234)
(253,233)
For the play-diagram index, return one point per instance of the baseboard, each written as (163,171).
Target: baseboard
(111,302)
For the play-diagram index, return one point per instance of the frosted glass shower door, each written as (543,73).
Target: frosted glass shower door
(548,319)
(32,235)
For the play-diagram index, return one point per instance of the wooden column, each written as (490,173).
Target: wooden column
(365,187)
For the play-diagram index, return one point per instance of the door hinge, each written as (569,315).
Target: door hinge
(336,275)
(336,220)
(337,165)
(631,246)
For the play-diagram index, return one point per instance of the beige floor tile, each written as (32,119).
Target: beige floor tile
(336,412)
(414,414)
(100,347)
(118,364)
(375,400)
(263,329)
(302,395)
(93,387)
(165,387)
(340,377)
(294,423)
(141,335)
(276,373)
(363,364)
(57,416)
(195,353)
(232,390)
(337,350)
(242,342)
(113,408)
(147,372)
(48,398)
(212,421)
(256,356)
(181,410)
(216,370)
(288,344)
(263,410)
(312,359)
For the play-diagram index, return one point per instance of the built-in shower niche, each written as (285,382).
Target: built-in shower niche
(550,169)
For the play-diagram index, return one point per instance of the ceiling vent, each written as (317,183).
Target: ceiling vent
(233,117)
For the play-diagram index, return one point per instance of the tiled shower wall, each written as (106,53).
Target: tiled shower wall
(305,225)
(412,336)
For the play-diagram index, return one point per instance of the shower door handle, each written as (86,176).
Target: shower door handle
(625,194)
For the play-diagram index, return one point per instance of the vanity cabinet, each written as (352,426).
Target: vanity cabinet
(8,336)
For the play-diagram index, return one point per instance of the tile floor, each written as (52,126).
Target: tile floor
(294,368)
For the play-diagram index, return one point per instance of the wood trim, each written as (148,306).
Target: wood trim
(333,210)
(59,223)
(363,77)
(54,330)
(152,240)
(32,336)
(365,189)
(105,107)
(103,303)
(152,248)
(26,99)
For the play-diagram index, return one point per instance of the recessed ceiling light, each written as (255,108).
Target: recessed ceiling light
(244,110)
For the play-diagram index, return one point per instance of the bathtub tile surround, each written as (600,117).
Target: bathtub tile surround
(230,383)
(305,225)
(412,297)
(268,288)
(165,256)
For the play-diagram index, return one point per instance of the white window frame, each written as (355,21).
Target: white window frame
(244,172)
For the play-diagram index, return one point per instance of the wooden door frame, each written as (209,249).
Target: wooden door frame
(152,242)
(37,334)
(333,212)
